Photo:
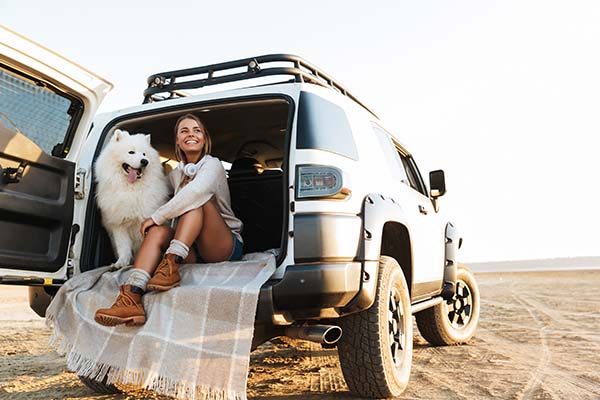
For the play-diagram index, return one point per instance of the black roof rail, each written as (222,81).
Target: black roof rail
(301,70)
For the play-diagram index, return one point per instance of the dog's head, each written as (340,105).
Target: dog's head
(133,153)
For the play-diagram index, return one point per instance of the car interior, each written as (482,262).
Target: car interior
(250,138)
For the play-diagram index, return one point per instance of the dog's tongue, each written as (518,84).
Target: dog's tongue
(131,175)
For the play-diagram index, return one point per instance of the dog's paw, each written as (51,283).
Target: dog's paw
(113,268)
(117,265)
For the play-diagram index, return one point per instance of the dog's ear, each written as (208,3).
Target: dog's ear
(120,134)
(148,138)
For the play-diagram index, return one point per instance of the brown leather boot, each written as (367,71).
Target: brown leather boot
(127,309)
(166,275)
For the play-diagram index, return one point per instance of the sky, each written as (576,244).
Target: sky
(504,96)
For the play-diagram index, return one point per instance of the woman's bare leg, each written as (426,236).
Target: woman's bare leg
(189,226)
(205,226)
(215,242)
(155,243)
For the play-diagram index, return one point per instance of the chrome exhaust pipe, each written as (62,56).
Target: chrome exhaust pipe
(324,334)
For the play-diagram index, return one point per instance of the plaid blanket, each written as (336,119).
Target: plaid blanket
(196,340)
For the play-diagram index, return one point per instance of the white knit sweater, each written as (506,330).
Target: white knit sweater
(209,181)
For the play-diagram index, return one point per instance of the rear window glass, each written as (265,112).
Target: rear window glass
(40,113)
(323,125)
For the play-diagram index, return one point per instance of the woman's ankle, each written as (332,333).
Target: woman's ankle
(174,258)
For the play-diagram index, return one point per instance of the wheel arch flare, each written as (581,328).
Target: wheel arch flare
(384,232)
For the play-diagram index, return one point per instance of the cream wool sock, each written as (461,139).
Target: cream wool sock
(138,278)
(178,248)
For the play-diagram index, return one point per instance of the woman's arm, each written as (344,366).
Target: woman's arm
(194,194)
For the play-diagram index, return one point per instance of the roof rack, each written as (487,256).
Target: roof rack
(300,69)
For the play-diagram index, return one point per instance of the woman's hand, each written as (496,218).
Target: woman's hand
(147,224)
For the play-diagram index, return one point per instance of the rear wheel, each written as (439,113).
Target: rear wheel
(453,321)
(376,348)
(99,387)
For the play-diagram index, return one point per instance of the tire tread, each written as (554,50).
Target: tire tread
(359,350)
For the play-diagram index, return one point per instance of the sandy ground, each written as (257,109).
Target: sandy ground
(538,338)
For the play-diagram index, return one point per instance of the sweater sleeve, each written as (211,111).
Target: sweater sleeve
(193,195)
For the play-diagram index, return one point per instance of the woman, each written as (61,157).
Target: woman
(205,223)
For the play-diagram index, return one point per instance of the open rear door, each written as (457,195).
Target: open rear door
(46,107)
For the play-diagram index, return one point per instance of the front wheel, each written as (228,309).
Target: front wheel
(376,349)
(453,321)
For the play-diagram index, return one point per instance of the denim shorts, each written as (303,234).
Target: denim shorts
(238,249)
(236,254)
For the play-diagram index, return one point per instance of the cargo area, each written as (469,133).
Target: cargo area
(250,137)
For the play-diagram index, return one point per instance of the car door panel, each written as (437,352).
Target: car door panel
(36,204)
(46,108)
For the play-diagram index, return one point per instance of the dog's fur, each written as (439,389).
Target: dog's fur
(128,196)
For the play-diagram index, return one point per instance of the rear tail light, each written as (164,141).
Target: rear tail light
(314,181)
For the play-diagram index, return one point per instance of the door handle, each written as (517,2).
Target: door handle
(11,175)
(422,210)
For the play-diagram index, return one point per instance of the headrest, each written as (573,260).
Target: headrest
(246,166)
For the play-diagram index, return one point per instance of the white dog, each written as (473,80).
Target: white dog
(131,186)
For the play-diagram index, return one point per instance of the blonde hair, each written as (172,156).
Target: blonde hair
(207,141)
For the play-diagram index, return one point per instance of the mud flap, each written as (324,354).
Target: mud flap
(453,241)
(39,300)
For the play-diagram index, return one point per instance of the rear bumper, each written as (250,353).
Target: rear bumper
(317,285)
(313,292)
(316,291)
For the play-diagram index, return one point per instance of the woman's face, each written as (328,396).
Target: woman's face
(190,138)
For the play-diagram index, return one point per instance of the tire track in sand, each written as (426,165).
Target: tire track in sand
(534,384)
(324,366)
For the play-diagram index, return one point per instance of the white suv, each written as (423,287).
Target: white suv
(312,172)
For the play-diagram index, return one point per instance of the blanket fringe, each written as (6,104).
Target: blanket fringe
(88,368)
(57,339)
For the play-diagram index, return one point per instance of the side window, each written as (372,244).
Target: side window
(402,167)
(416,182)
(38,112)
(390,154)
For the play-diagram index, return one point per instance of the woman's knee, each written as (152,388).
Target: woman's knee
(193,213)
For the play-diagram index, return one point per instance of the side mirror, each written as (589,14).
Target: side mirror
(437,183)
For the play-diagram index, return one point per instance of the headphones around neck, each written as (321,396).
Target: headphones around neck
(189,169)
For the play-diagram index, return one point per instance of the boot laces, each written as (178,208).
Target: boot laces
(164,268)
(125,300)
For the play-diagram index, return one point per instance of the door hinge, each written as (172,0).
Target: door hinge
(80,184)
(70,266)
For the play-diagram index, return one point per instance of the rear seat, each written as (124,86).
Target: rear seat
(257,199)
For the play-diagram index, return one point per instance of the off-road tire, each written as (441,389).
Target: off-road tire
(375,350)
(100,387)
(453,321)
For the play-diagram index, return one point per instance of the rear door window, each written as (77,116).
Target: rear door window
(45,115)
